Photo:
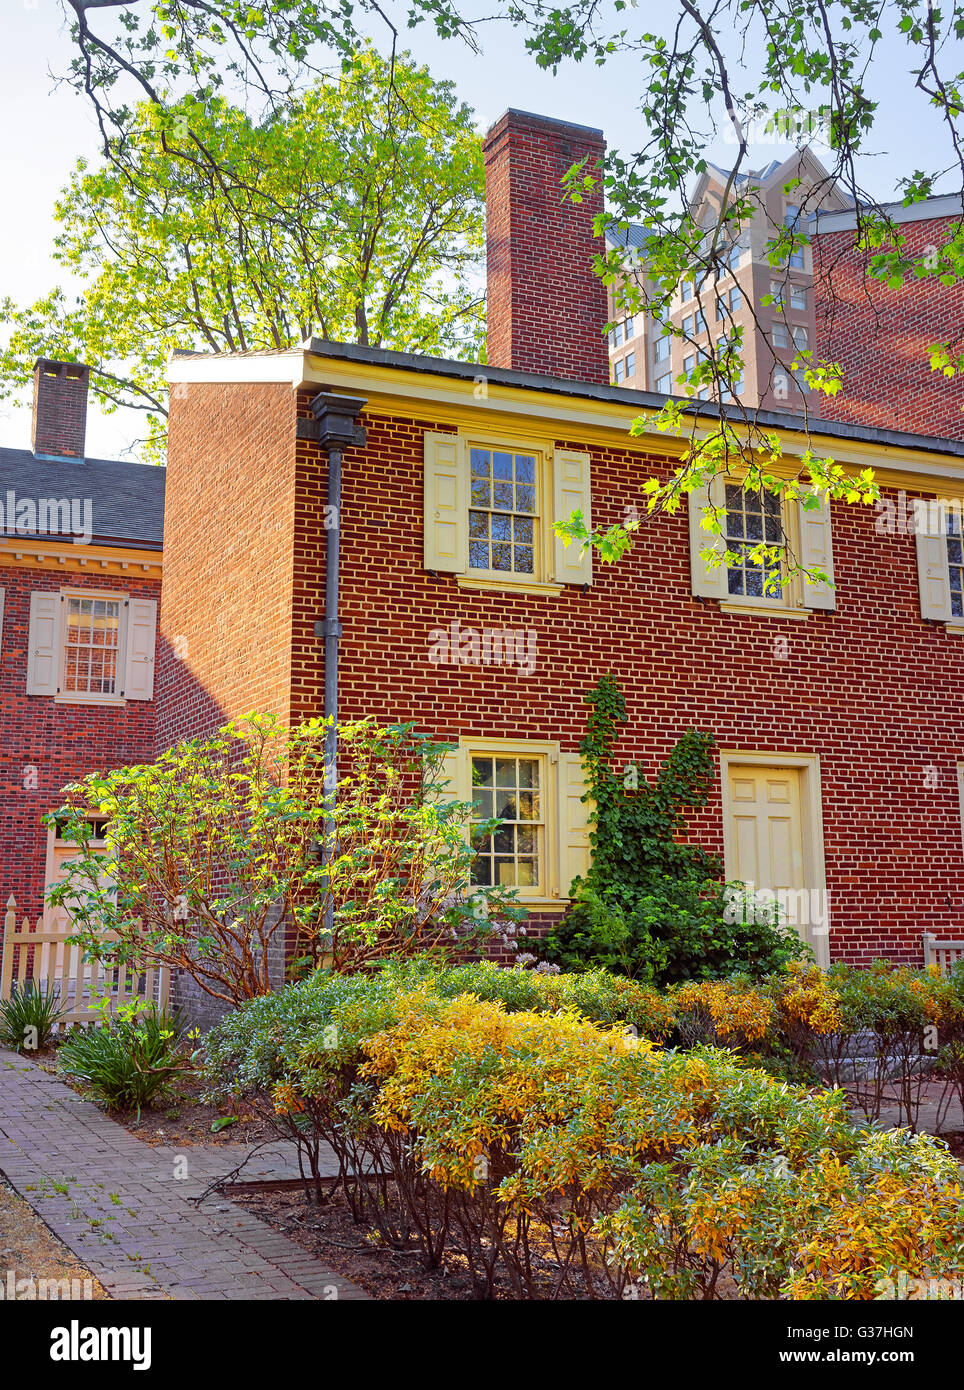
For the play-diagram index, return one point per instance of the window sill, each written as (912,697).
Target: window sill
(765,610)
(512,586)
(955,629)
(76,699)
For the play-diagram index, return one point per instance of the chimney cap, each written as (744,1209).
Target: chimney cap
(81,369)
(552,121)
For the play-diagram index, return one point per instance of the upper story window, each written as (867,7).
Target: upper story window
(736,299)
(489,508)
(630,327)
(662,348)
(91,646)
(797,259)
(955,563)
(664,384)
(619,370)
(688,326)
(630,364)
(503,513)
(753,518)
(781,337)
(800,337)
(798,297)
(700,322)
(686,291)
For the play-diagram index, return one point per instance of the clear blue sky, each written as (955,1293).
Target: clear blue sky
(46,128)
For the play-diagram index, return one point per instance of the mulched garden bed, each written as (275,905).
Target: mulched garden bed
(330,1233)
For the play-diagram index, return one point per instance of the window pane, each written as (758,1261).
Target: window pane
(91,644)
(750,520)
(510,855)
(503,504)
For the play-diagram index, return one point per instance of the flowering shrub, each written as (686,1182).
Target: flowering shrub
(725,1012)
(570,1158)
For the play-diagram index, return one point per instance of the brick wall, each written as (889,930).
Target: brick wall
(546,309)
(881,337)
(228,527)
(45,744)
(871,688)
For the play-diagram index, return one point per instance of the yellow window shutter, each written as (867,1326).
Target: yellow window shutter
(707,581)
(571,492)
(452,774)
(43,644)
(933,577)
(573,822)
(141,635)
(816,552)
(446,497)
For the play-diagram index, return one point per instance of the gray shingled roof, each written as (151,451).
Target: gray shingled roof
(126,499)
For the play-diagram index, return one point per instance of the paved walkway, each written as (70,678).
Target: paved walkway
(124,1207)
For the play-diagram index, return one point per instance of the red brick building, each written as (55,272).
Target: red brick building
(80,579)
(838,713)
(881,337)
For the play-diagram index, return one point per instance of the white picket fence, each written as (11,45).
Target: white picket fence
(943,954)
(47,958)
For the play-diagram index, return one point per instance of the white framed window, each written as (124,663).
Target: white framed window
(801,339)
(88,646)
(489,507)
(798,297)
(619,370)
(91,645)
(511,789)
(630,364)
(781,338)
(662,347)
(664,384)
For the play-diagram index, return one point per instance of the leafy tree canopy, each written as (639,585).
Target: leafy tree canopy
(705,69)
(352,210)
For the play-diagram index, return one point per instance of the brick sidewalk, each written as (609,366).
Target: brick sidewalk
(121,1207)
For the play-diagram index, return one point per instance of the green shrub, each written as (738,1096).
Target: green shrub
(130,1061)
(28,1019)
(482,1100)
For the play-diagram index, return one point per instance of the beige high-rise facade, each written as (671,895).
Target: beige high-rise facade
(645,357)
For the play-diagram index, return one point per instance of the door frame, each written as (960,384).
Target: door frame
(811,812)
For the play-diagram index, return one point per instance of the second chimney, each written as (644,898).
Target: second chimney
(59,409)
(546,308)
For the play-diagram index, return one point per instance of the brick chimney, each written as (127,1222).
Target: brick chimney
(546,309)
(59,409)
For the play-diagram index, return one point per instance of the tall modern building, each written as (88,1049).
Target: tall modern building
(731,292)
(821,300)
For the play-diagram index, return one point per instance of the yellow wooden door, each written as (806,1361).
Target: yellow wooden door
(767,828)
